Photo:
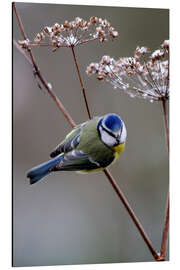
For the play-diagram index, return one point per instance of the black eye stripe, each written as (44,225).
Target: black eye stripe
(103,128)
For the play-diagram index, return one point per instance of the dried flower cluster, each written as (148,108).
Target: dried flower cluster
(73,33)
(144,75)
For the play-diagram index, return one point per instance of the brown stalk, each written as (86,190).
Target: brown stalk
(132,215)
(166,220)
(81,82)
(31,60)
(38,73)
(166,122)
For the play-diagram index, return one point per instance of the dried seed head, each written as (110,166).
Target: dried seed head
(78,31)
(157,55)
(114,34)
(93,20)
(39,37)
(48,30)
(56,25)
(165,45)
(144,75)
(100,78)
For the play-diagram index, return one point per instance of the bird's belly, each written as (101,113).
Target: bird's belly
(117,151)
(90,171)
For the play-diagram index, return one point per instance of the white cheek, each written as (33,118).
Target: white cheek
(107,139)
(123,134)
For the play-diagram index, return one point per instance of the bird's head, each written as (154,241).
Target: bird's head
(112,129)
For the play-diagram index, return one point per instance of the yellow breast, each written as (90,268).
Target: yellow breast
(118,150)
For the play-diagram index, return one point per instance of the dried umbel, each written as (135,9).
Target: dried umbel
(145,75)
(73,33)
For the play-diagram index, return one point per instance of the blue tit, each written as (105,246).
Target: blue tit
(90,146)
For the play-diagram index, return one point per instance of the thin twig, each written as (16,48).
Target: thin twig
(81,83)
(166,220)
(40,76)
(132,214)
(19,21)
(166,121)
(165,232)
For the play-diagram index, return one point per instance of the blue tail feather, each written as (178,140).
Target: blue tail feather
(40,171)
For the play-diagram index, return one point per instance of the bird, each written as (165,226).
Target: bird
(90,147)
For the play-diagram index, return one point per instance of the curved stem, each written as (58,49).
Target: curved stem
(19,21)
(31,60)
(166,220)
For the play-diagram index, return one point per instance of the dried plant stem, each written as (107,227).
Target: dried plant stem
(40,76)
(132,215)
(166,121)
(165,232)
(19,21)
(166,221)
(81,83)
(31,60)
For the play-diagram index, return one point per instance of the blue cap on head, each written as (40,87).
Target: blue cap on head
(113,122)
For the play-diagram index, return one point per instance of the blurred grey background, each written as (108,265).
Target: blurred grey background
(70,218)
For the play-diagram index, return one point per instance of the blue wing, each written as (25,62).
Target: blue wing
(76,160)
(71,141)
